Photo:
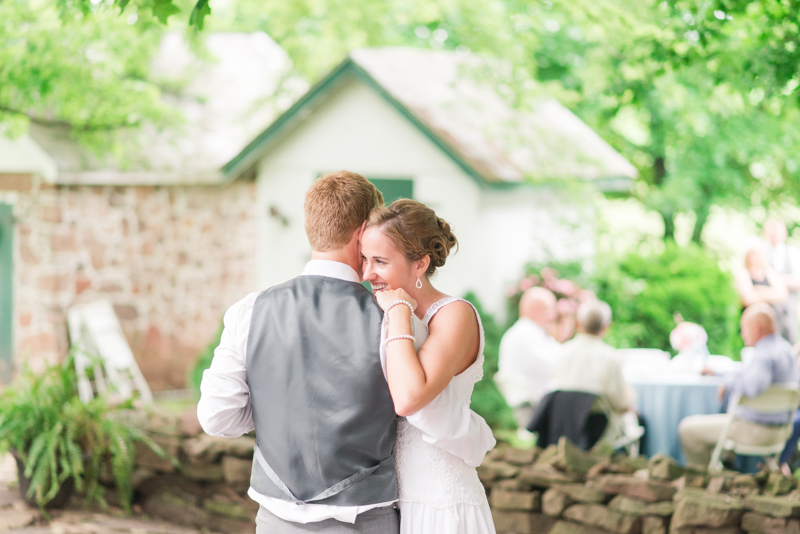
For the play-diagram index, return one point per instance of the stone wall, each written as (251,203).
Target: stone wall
(559,490)
(203,483)
(562,490)
(170,259)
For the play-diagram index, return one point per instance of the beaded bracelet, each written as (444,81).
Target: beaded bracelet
(399,301)
(394,338)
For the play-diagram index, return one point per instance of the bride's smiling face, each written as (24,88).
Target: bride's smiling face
(384,266)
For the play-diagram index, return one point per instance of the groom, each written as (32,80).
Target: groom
(300,363)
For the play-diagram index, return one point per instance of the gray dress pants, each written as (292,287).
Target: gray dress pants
(376,521)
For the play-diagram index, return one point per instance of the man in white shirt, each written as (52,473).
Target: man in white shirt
(785,259)
(527,353)
(586,363)
(299,363)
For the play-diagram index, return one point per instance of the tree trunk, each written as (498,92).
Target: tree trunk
(669,226)
(700,223)
(659,170)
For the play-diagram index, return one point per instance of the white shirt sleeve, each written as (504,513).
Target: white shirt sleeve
(794,260)
(617,390)
(224,408)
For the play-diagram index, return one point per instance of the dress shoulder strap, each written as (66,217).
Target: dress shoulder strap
(435,307)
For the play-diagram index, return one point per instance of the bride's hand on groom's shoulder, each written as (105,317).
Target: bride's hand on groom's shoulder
(387,296)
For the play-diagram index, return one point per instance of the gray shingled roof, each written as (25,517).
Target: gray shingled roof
(226,98)
(460,100)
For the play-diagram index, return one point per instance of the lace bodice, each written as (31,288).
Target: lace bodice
(433,443)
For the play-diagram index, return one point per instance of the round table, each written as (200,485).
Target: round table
(663,402)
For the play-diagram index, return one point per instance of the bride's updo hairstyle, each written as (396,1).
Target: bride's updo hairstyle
(415,230)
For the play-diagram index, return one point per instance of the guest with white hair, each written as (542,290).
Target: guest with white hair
(586,363)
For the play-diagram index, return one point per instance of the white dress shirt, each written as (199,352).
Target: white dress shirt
(527,354)
(225,410)
(586,363)
(778,259)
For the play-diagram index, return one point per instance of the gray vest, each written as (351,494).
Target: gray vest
(325,422)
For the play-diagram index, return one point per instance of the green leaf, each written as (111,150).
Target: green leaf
(163,9)
(199,13)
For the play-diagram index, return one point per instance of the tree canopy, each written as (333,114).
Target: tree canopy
(87,74)
(701,96)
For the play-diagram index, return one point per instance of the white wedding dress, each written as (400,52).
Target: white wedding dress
(438,449)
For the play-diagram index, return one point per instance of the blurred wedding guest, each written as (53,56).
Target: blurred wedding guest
(787,458)
(773,362)
(758,282)
(785,260)
(527,353)
(564,326)
(586,363)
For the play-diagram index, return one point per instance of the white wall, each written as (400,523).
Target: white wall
(23,155)
(355,129)
(531,224)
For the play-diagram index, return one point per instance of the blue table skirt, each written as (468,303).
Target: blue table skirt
(663,404)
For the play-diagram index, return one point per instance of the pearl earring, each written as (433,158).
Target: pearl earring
(419,283)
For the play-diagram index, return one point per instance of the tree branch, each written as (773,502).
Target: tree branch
(67,124)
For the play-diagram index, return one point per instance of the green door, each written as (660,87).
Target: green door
(6,297)
(392,189)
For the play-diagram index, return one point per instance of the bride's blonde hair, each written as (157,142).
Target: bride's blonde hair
(416,231)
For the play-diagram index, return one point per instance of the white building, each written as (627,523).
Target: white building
(193,221)
(432,125)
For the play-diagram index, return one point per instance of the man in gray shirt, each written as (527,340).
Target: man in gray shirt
(772,363)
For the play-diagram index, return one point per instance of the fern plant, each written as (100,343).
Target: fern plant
(59,438)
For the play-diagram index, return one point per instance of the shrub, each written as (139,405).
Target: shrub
(204,362)
(487,401)
(565,279)
(644,292)
(59,438)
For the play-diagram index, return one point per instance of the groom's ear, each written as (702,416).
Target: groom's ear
(361,232)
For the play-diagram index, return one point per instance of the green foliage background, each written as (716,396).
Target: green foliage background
(85,75)
(487,401)
(645,290)
(204,362)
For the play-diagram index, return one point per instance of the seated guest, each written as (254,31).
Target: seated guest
(772,363)
(527,353)
(586,363)
(787,466)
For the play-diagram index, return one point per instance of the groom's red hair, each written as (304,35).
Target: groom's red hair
(336,205)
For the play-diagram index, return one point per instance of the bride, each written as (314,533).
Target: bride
(432,352)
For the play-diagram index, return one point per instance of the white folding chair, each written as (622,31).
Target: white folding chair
(623,431)
(777,398)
